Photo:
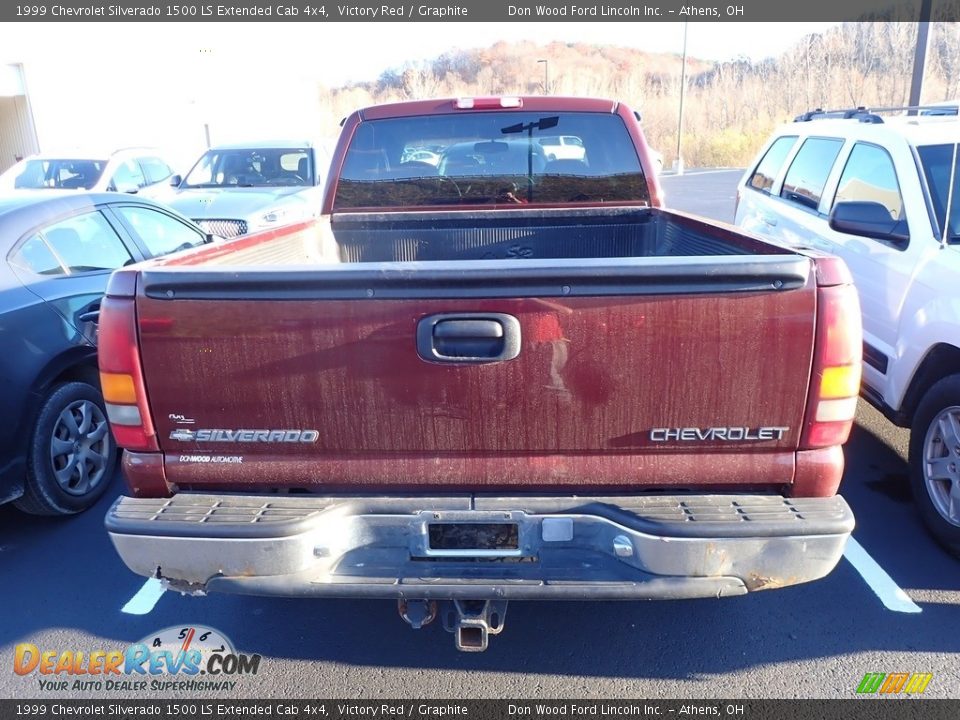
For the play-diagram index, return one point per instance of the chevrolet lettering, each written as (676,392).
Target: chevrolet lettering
(726,434)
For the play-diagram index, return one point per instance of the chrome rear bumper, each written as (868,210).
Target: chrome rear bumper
(619,547)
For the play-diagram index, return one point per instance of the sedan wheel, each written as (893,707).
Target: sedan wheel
(72,455)
(79,447)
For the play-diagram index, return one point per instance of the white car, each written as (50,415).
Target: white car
(563,147)
(883,193)
(570,147)
(130,170)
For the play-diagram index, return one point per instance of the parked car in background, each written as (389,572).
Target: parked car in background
(883,193)
(421,155)
(563,147)
(131,170)
(237,189)
(570,147)
(56,452)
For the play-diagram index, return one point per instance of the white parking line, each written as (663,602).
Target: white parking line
(142,603)
(890,594)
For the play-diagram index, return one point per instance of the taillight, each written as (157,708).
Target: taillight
(835,381)
(121,376)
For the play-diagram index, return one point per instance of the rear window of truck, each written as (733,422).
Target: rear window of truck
(483,158)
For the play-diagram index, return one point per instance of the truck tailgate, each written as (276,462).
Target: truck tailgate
(276,374)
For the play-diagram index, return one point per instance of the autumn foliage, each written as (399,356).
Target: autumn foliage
(730,107)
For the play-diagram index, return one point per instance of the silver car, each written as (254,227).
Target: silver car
(237,189)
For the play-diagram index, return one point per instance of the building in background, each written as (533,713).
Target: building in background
(101,100)
(18,136)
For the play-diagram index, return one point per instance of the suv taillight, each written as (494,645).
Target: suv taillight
(835,381)
(121,376)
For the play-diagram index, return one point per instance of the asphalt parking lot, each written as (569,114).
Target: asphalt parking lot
(63,588)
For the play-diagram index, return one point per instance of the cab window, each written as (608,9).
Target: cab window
(127,176)
(35,255)
(809,171)
(86,243)
(941,168)
(155,169)
(869,176)
(769,166)
(160,233)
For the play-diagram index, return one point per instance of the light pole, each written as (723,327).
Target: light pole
(683,88)
(546,76)
(920,55)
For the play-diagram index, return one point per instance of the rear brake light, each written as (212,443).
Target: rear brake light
(487,103)
(835,383)
(121,376)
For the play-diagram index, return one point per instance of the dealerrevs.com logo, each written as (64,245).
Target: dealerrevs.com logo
(191,658)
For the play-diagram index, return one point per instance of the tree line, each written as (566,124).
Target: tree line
(730,107)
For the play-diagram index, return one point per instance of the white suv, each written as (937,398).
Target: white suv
(883,193)
(130,170)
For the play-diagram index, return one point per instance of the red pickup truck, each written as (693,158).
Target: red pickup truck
(484,375)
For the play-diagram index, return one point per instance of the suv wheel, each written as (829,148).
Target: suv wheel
(935,461)
(72,454)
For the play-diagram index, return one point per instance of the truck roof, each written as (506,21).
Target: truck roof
(537,103)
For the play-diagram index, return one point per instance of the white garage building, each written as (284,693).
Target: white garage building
(18,136)
(120,93)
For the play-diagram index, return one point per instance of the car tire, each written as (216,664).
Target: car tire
(935,461)
(72,454)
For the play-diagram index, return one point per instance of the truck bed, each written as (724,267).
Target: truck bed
(623,232)
(612,345)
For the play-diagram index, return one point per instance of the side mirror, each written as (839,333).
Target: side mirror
(175,180)
(868,219)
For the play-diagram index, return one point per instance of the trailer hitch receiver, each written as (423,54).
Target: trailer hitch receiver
(472,622)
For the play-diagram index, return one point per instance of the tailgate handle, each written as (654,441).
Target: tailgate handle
(466,329)
(468,337)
